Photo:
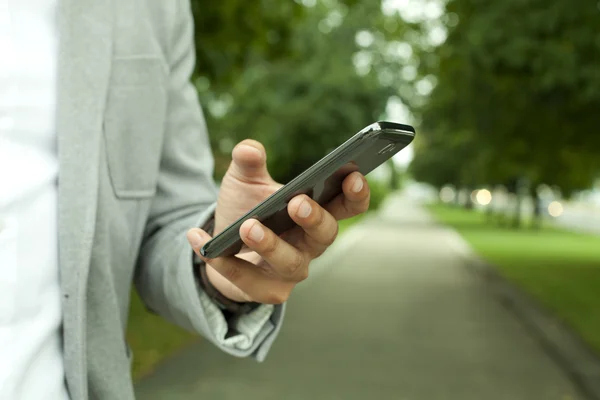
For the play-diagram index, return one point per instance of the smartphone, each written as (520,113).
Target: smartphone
(363,152)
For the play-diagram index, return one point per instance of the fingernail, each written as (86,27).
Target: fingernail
(304,209)
(358,185)
(253,149)
(196,240)
(256,233)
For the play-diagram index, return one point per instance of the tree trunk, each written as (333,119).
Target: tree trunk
(456,195)
(490,212)
(517,217)
(469,202)
(522,187)
(394,177)
(537,210)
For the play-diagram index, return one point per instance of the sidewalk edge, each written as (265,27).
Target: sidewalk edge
(560,342)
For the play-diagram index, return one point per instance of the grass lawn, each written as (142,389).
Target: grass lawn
(152,339)
(559,268)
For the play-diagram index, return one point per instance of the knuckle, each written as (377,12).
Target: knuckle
(347,207)
(331,238)
(296,263)
(232,273)
(303,275)
(364,208)
(271,244)
(356,208)
(319,217)
(311,244)
(324,239)
(267,190)
(365,204)
(316,247)
(278,297)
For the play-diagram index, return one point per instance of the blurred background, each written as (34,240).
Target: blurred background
(505,169)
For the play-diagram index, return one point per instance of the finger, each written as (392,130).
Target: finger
(284,259)
(249,162)
(320,227)
(246,276)
(354,200)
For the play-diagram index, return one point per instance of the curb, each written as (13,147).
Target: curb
(560,342)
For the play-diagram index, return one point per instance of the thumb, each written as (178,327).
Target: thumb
(249,162)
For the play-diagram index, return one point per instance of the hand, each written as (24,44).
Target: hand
(269,266)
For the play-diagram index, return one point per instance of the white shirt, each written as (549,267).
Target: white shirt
(31,362)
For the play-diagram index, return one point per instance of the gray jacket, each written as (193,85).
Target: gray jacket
(135,174)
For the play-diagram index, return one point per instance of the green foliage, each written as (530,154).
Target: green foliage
(517,86)
(231,33)
(379,190)
(151,338)
(345,224)
(304,102)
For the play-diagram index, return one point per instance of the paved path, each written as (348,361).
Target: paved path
(389,313)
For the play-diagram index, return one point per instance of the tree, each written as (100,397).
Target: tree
(304,104)
(517,83)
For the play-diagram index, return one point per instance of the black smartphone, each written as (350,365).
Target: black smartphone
(363,152)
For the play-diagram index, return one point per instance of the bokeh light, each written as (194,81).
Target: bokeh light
(555,209)
(447,194)
(483,197)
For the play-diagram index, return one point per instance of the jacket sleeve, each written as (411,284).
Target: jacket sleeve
(185,198)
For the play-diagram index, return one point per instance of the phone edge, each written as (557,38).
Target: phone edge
(369,131)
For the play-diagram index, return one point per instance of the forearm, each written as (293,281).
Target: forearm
(185,199)
(166,282)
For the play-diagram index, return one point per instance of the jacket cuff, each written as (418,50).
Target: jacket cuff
(247,334)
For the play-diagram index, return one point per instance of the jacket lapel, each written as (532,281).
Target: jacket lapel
(85,48)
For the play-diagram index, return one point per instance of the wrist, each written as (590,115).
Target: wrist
(227,296)
(231,305)
(225,287)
